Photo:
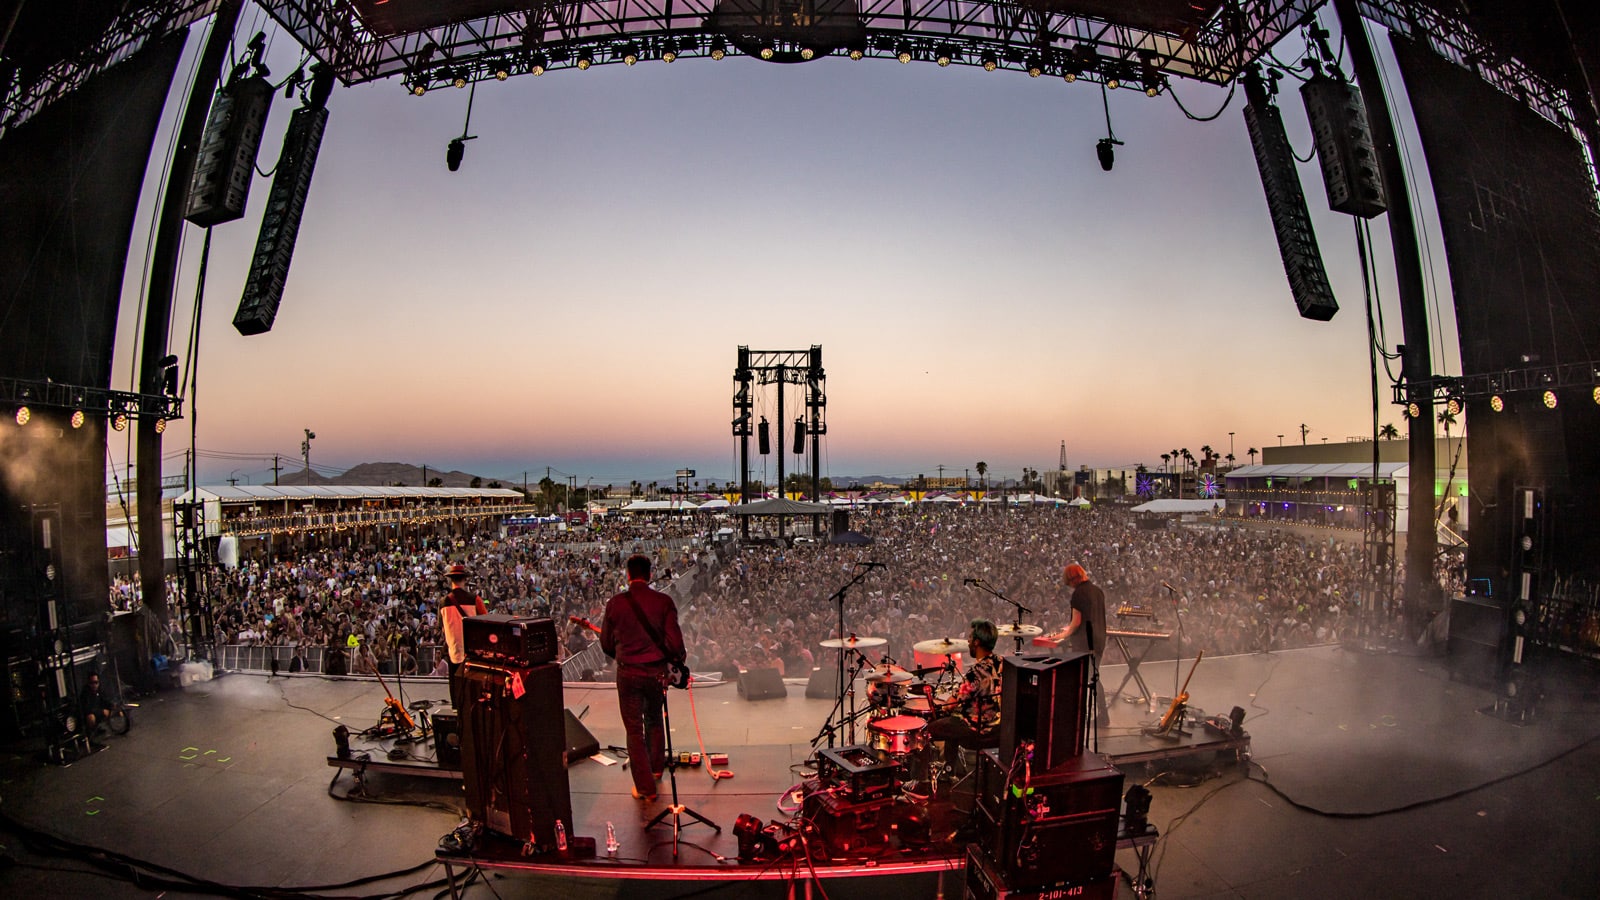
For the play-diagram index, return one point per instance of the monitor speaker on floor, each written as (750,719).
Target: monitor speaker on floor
(824,684)
(580,742)
(761,684)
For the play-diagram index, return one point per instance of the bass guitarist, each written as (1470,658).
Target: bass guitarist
(641,633)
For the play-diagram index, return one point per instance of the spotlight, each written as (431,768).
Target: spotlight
(858,51)
(630,55)
(1107,153)
(23,415)
(454,152)
(990,63)
(119,422)
(1069,76)
(1152,89)
(1597,395)
(539,63)
(161,426)
(418,89)
(77,418)
(1453,406)
(1113,83)
(585,60)
(719,49)
(460,80)
(807,54)
(669,52)
(501,73)
(1499,405)
(1549,399)
(767,51)
(1035,67)
(945,55)
(903,53)
(1413,410)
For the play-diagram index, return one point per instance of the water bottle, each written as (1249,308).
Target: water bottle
(611,839)
(561,836)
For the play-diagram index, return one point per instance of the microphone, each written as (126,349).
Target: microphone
(871,564)
(1169,587)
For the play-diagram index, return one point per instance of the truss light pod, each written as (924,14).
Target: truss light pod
(1113,83)
(460,79)
(1498,404)
(1597,395)
(23,415)
(1035,67)
(119,422)
(418,86)
(1453,406)
(767,50)
(903,53)
(77,418)
(857,50)
(161,426)
(945,55)
(501,70)
(669,51)
(630,55)
(719,49)
(1549,399)
(990,61)
(1069,76)
(1413,410)
(585,60)
(807,54)
(539,63)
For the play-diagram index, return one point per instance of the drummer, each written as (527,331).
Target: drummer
(974,714)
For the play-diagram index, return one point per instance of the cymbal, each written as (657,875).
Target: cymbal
(852,642)
(945,646)
(1014,630)
(889,675)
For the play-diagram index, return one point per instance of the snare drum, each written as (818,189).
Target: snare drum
(899,735)
(921,707)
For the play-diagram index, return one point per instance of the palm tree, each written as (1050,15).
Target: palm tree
(1388,432)
(1252,454)
(1165,459)
(1229,458)
(1205,451)
(1446,418)
(983,469)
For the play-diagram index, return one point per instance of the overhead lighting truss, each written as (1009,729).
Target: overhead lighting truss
(106,404)
(1533,379)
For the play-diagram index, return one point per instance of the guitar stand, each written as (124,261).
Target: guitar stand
(677,810)
(1174,729)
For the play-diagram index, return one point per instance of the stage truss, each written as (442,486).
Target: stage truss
(1140,45)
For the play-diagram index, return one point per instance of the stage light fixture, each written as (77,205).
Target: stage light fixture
(539,63)
(460,80)
(1035,67)
(767,51)
(1499,405)
(1069,76)
(1107,152)
(669,52)
(119,422)
(945,55)
(807,54)
(719,49)
(630,55)
(161,426)
(77,418)
(1413,410)
(418,89)
(903,53)
(1453,406)
(501,73)
(990,62)
(585,60)
(858,51)
(1597,395)
(1113,83)
(23,415)
(1550,400)
(1152,89)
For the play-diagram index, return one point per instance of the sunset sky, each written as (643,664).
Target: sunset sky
(574,296)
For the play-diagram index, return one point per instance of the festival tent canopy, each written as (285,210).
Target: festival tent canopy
(718,503)
(1180,506)
(658,506)
(1078,501)
(779,506)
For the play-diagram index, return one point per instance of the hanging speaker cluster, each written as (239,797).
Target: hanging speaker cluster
(1344,147)
(226,162)
(1286,202)
(280,225)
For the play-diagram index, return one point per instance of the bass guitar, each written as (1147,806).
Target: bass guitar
(1175,711)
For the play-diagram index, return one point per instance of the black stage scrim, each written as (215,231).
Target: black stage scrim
(1522,235)
(69,188)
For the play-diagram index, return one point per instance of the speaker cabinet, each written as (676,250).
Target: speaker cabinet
(1060,829)
(581,744)
(1042,703)
(513,758)
(824,684)
(1477,636)
(761,684)
(446,737)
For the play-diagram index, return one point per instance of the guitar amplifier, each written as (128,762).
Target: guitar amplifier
(1059,828)
(847,825)
(516,642)
(858,772)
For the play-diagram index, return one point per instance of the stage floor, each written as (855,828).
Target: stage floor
(228,781)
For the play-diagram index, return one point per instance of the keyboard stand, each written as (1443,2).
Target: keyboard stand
(1133,670)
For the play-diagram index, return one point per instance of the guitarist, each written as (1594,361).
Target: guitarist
(641,633)
(458,604)
(1087,630)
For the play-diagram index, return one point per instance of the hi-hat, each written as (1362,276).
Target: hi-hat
(889,675)
(945,646)
(853,642)
(1015,630)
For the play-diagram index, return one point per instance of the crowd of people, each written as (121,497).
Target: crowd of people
(1221,587)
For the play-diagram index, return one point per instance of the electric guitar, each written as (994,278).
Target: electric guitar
(1178,702)
(399,710)
(677,673)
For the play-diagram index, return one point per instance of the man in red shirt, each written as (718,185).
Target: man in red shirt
(456,606)
(641,633)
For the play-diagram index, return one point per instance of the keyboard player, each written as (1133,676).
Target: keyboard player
(1086,631)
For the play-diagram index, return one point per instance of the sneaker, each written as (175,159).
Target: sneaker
(648,798)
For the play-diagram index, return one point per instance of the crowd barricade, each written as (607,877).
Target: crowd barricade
(259,658)
(589,659)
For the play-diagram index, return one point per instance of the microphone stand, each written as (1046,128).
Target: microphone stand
(839,696)
(982,585)
(1177,632)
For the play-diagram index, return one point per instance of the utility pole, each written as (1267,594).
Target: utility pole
(274,470)
(1280,440)
(305,451)
(1303,430)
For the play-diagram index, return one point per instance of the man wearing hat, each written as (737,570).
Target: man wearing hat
(1087,630)
(456,606)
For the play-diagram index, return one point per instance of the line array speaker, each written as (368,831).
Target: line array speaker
(1286,202)
(280,226)
(226,163)
(1344,147)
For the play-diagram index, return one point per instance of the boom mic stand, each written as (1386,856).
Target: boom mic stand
(838,704)
(1177,632)
(677,810)
(982,585)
